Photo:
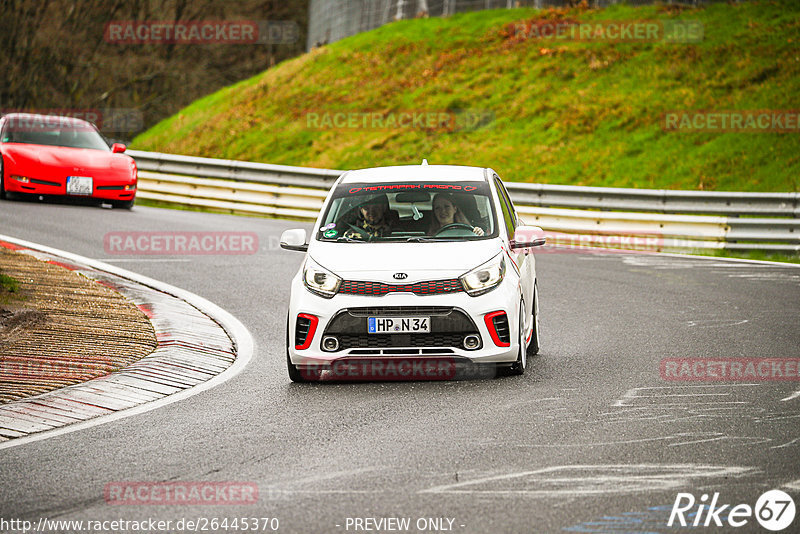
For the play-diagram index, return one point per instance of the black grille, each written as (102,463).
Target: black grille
(390,311)
(301,331)
(501,326)
(384,341)
(448,327)
(432,287)
(44,182)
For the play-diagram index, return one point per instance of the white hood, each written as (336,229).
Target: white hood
(420,261)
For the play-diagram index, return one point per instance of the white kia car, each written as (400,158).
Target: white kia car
(411,273)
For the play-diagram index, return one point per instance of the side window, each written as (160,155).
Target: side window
(509,217)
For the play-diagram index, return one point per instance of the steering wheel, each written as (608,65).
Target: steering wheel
(452,226)
(360,231)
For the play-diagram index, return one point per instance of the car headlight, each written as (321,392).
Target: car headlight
(319,280)
(485,277)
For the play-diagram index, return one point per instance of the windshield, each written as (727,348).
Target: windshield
(409,211)
(52,131)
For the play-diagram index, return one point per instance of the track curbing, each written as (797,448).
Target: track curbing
(145,384)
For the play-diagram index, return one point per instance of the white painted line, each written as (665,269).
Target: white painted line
(795,485)
(618,442)
(681,395)
(240,336)
(795,440)
(709,436)
(635,393)
(774,417)
(749,384)
(716,323)
(697,441)
(689,405)
(732,260)
(593,479)
(792,396)
(144,260)
(333,492)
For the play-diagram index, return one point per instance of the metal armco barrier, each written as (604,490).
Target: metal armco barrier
(659,200)
(678,220)
(234,170)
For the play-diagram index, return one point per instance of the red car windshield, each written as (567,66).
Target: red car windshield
(52,131)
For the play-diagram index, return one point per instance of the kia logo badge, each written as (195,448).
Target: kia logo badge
(400,276)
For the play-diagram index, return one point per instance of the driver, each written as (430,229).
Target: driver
(374,219)
(446,211)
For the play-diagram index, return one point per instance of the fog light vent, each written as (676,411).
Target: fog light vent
(472,342)
(330,343)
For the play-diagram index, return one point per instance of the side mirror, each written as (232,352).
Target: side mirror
(527,237)
(294,239)
(118,148)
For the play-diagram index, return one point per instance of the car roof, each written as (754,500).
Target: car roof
(414,173)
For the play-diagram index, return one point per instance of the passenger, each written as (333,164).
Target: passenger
(375,219)
(446,211)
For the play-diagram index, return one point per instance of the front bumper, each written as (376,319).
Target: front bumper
(453,316)
(104,187)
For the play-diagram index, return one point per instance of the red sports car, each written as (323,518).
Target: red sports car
(48,155)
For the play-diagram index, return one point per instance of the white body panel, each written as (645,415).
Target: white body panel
(420,262)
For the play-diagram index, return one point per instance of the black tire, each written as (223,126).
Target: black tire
(2,180)
(122,204)
(295,374)
(534,345)
(519,366)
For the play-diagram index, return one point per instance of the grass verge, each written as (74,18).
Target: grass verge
(559,111)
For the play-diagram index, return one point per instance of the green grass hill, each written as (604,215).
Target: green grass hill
(541,108)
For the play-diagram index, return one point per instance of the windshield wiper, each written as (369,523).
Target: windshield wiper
(349,240)
(420,239)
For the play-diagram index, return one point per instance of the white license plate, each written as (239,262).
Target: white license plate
(79,185)
(398,325)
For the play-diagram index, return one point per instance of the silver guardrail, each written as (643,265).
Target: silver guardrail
(230,169)
(572,215)
(659,200)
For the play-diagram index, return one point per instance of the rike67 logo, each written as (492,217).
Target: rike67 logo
(774,511)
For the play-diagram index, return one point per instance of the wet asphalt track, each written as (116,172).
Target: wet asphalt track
(591,439)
